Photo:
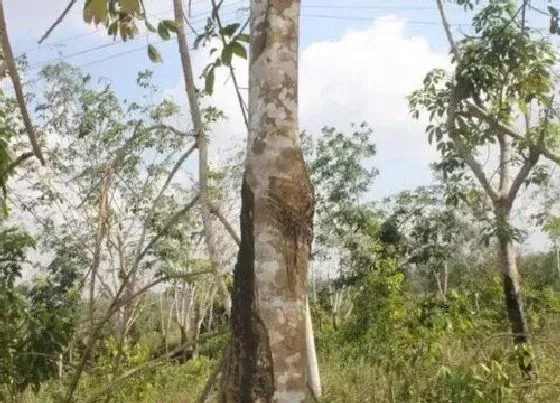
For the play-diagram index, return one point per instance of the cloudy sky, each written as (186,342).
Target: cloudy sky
(358,61)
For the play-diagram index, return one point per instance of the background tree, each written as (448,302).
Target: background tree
(503,73)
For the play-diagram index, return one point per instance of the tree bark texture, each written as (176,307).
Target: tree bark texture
(267,357)
(512,290)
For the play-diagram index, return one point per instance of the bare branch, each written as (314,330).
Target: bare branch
(12,70)
(480,113)
(522,175)
(176,167)
(447,29)
(462,149)
(18,161)
(57,21)
(533,158)
(170,128)
(216,211)
(466,154)
(168,225)
(553,157)
(184,276)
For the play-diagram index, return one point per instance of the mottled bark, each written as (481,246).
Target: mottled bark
(267,356)
(511,287)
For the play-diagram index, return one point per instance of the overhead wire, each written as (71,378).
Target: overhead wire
(228,5)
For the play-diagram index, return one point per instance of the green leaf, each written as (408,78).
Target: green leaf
(95,11)
(170,25)
(229,30)
(153,54)
(113,28)
(226,55)
(197,41)
(132,6)
(238,49)
(163,31)
(209,81)
(113,7)
(243,38)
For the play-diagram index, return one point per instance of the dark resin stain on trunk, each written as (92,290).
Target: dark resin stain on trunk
(249,347)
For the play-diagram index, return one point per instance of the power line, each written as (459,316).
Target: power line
(42,63)
(373,18)
(369,7)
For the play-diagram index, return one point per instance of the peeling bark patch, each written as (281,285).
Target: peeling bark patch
(250,366)
(291,205)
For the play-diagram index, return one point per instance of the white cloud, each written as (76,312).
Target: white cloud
(366,75)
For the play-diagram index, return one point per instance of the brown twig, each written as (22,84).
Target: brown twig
(18,161)
(216,211)
(57,21)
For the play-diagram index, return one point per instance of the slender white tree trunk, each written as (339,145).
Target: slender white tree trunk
(313,375)
(202,142)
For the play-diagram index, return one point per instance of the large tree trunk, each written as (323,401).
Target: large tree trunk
(267,358)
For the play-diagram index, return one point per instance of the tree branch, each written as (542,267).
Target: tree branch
(533,158)
(12,70)
(176,167)
(57,21)
(170,128)
(18,161)
(522,175)
(478,112)
(170,223)
(216,211)
(466,154)
(447,28)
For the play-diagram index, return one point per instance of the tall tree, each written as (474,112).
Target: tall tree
(267,354)
(503,74)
